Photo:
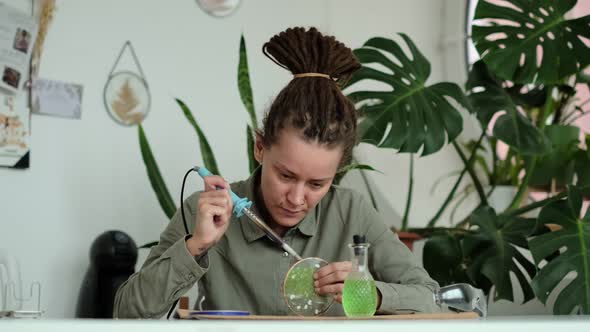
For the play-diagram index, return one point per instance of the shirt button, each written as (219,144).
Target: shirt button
(285,254)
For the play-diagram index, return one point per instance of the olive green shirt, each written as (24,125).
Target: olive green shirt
(245,269)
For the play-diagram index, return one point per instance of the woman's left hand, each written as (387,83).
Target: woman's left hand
(329,279)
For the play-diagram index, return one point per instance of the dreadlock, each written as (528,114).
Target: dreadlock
(314,105)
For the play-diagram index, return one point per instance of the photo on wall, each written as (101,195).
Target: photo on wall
(18,32)
(15,127)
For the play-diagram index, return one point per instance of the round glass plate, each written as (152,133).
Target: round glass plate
(299,292)
(127,98)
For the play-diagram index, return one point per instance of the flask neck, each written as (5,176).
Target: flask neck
(359,256)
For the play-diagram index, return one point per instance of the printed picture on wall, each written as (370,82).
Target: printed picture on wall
(14,131)
(22,40)
(18,32)
(11,77)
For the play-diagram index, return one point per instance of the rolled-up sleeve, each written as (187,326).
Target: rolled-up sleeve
(168,273)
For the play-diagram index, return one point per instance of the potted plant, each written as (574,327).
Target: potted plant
(531,55)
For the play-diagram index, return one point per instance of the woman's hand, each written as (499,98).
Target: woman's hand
(214,210)
(329,279)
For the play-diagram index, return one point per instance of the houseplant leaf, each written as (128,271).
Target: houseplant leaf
(411,115)
(342,171)
(487,96)
(492,251)
(509,36)
(443,259)
(244,84)
(155,176)
(252,162)
(574,237)
(206,151)
(582,168)
(558,163)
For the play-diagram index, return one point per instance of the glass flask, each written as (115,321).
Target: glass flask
(359,296)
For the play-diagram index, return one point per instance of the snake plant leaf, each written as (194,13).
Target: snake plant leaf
(411,115)
(558,164)
(487,96)
(344,170)
(155,176)
(494,254)
(206,151)
(509,37)
(574,237)
(148,245)
(252,162)
(443,259)
(244,84)
(350,167)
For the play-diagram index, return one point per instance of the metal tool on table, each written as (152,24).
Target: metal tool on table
(298,289)
(462,297)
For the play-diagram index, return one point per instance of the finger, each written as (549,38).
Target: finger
(330,289)
(333,278)
(214,182)
(338,298)
(218,200)
(331,268)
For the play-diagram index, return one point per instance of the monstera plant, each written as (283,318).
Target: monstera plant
(410,116)
(532,58)
(530,50)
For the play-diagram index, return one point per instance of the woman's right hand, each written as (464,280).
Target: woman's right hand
(214,209)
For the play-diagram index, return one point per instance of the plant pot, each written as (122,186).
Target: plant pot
(408,238)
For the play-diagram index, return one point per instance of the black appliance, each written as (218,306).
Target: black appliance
(113,255)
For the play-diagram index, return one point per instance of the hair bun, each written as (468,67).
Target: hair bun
(308,51)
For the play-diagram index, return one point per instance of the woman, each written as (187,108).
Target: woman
(307,135)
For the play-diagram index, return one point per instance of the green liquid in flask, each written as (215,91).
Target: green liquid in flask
(359,297)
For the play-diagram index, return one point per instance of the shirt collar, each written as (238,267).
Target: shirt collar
(307,226)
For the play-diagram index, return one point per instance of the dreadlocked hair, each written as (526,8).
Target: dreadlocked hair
(313,105)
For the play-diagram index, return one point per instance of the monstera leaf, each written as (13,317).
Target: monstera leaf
(574,237)
(492,251)
(443,259)
(558,163)
(487,96)
(582,168)
(509,36)
(411,115)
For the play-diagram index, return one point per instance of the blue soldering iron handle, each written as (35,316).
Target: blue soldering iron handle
(239,203)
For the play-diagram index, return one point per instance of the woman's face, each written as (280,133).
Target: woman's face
(296,174)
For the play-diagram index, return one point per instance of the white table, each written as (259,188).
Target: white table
(519,324)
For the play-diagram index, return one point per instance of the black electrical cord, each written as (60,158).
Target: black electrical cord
(185,227)
(182,200)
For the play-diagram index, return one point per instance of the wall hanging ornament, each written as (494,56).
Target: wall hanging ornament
(126,93)
(219,8)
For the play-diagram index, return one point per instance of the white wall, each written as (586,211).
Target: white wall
(87,176)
